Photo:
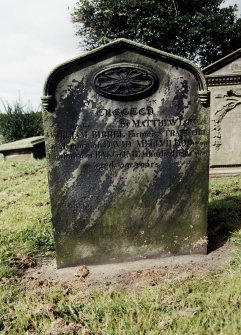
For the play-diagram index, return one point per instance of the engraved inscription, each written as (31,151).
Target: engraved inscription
(125,82)
(138,138)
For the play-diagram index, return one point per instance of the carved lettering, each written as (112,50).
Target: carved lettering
(125,112)
(135,138)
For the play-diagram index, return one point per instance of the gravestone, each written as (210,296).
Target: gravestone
(224,81)
(126,130)
(25,149)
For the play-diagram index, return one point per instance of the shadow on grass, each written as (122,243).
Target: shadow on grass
(224,218)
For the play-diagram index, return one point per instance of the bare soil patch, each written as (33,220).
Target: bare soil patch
(129,274)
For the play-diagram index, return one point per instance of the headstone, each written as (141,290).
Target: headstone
(25,149)
(224,80)
(127,130)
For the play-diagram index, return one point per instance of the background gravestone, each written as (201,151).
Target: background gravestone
(25,149)
(127,145)
(224,81)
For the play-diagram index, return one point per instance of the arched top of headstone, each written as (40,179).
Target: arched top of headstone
(115,48)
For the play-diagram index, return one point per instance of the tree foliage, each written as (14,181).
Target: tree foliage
(18,122)
(196,29)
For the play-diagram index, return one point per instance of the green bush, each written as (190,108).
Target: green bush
(18,122)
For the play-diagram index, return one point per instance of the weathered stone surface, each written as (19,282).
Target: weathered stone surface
(224,81)
(127,146)
(25,149)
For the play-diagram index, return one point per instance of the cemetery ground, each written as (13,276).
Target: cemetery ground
(179,295)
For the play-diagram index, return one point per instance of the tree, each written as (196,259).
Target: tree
(18,122)
(196,29)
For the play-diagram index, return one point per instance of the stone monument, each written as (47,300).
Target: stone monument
(224,81)
(127,139)
(25,149)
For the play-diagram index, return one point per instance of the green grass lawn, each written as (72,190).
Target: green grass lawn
(208,303)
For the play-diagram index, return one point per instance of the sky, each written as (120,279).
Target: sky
(35,37)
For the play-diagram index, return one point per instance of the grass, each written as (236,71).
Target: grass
(24,213)
(207,304)
(224,215)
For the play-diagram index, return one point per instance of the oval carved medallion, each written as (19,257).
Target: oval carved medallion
(125,81)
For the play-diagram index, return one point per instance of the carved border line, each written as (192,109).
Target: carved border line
(47,100)
(225,80)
